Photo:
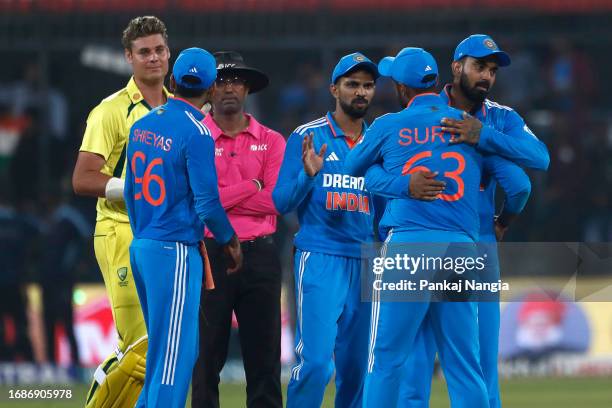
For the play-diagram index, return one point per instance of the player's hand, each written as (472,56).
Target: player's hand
(424,186)
(466,130)
(234,252)
(313,161)
(500,231)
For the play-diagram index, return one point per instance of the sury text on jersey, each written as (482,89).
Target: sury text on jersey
(149,138)
(408,136)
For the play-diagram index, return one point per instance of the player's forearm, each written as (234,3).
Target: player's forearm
(515,202)
(520,147)
(288,194)
(385,184)
(211,213)
(89,183)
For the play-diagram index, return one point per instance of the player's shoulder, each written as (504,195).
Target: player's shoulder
(453,112)
(387,119)
(117,100)
(492,106)
(314,125)
(115,105)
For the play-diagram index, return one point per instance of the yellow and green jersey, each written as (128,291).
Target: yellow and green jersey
(108,126)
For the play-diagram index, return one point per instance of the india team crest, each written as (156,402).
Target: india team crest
(490,44)
(359,58)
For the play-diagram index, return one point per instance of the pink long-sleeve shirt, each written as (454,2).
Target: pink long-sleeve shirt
(255,153)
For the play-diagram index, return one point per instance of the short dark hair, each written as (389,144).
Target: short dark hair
(188,92)
(143,26)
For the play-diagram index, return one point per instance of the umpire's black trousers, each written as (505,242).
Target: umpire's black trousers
(254,294)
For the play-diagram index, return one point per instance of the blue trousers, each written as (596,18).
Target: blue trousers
(332,327)
(418,373)
(394,334)
(168,277)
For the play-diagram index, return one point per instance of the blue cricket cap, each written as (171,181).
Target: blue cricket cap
(351,62)
(480,46)
(412,66)
(195,68)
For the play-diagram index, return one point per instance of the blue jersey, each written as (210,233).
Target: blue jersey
(506,134)
(412,140)
(171,181)
(335,211)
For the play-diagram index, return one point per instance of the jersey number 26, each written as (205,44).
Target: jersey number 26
(147,179)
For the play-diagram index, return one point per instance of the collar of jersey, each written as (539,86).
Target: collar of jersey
(254,129)
(445,95)
(429,98)
(136,96)
(183,104)
(337,130)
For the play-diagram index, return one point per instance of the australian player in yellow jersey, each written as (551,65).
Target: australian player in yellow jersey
(99,172)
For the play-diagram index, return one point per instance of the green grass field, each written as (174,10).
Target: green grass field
(519,393)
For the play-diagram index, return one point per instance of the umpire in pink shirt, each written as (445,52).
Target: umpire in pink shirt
(248,157)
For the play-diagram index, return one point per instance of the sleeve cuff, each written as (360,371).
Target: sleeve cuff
(485,138)
(403,185)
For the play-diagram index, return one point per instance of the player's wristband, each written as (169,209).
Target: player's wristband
(114,190)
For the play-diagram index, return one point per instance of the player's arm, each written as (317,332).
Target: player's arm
(87,180)
(382,183)
(261,202)
(293,183)
(101,135)
(366,153)
(200,155)
(420,185)
(516,185)
(516,143)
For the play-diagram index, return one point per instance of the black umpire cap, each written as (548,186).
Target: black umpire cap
(232,62)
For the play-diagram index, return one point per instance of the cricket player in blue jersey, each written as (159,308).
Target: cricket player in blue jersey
(170,192)
(406,142)
(493,128)
(336,217)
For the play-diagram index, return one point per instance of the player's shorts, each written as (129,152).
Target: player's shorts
(111,244)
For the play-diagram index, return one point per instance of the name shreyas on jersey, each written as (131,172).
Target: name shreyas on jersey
(343,200)
(151,139)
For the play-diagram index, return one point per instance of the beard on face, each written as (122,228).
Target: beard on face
(473,94)
(353,110)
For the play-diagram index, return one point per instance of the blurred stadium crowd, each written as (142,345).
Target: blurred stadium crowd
(560,85)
